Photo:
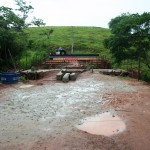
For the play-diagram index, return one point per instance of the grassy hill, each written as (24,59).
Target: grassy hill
(42,42)
(85,38)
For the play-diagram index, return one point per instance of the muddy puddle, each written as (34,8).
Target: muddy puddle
(105,124)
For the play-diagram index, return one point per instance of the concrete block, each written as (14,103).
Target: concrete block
(59,76)
(73,76)
(66,77)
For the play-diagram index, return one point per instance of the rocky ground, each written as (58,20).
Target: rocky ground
(44,114)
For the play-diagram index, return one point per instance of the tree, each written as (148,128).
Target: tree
(38,22)
(13,40)
(24,8)
(130,38)
(10,27)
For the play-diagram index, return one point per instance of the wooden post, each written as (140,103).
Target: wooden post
(12,60)
(139,68)
(26,59)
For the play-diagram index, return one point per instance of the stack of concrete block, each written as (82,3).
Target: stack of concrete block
(66,76)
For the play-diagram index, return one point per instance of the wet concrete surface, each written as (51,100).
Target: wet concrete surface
(32,113)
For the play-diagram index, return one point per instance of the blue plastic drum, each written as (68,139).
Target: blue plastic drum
(9,77)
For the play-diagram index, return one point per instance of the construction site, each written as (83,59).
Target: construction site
(74,102)
(74,75)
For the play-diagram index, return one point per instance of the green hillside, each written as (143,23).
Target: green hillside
(42,42)
(85,38)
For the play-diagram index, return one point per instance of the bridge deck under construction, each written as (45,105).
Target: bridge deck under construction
(80,59)
(73,57)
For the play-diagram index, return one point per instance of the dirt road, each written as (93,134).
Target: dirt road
(45,114)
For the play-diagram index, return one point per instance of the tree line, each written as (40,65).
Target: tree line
(130,38)
(13,40)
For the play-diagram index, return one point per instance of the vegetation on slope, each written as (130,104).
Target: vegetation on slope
(13,40)
(130,41)
(44,40)
(85,39)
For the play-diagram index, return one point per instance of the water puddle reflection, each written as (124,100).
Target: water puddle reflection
(104,124)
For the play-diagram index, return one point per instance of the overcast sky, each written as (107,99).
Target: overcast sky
(82,12)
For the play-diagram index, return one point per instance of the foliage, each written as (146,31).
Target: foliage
(24,8)
(22,78)
(130,39)
(10,27)
(38,22)
(24,11)
(13,40)
(31,57)
(44,40)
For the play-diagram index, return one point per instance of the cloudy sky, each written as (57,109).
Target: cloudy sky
(82,12)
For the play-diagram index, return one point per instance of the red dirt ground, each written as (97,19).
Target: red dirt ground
(133,106)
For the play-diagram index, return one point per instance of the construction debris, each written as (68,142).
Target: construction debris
(73,76)
(60,75)
(116,72)
(35,74)
(66,77)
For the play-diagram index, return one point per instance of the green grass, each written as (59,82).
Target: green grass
(86,40)
(128,65)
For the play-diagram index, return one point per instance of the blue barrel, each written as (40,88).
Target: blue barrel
(9,77)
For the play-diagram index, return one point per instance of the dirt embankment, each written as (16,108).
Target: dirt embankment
(43,114)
